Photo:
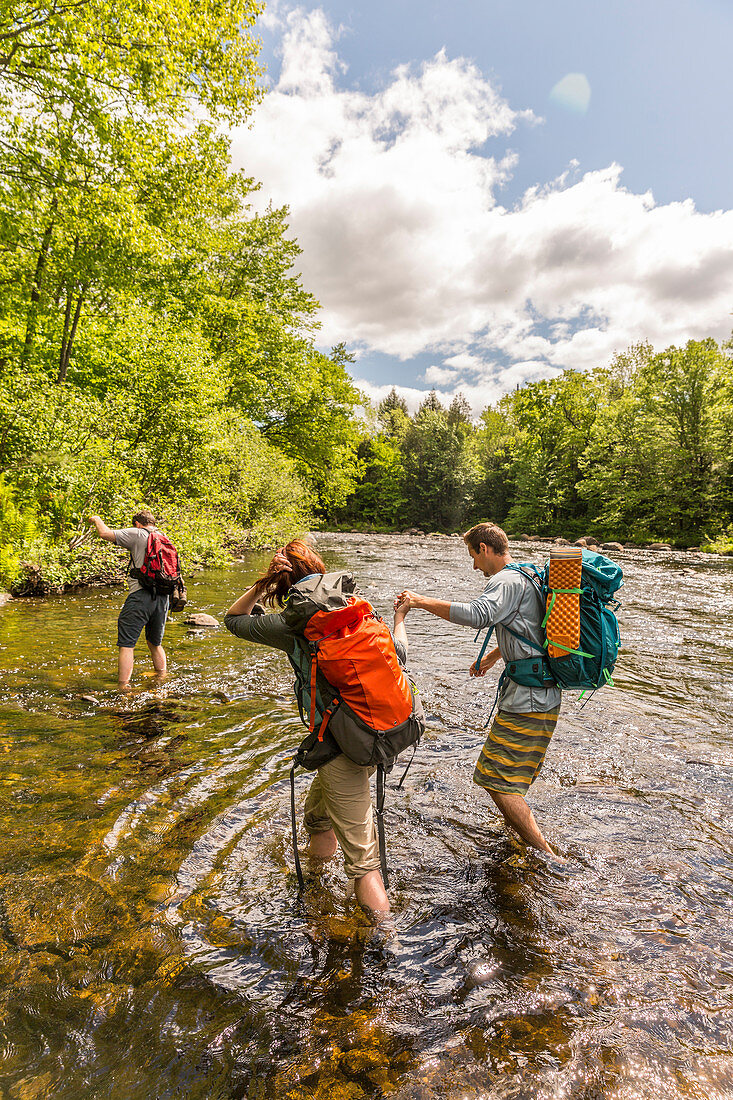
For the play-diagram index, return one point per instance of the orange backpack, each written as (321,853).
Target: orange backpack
(354,650)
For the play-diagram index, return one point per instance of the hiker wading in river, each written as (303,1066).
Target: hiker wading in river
(141,608)
(515,748)
(338,808)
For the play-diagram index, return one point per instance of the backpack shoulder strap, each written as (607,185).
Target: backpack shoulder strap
(535,577)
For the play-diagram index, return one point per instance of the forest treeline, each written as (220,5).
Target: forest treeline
(157,345)
(637,450)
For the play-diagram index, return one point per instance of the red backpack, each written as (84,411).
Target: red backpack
(160,572)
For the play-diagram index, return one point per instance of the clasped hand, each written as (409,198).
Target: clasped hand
(404,602)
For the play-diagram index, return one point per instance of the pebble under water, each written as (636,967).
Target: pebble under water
(152,941)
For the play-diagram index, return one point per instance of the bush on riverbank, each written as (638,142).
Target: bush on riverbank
(722,545)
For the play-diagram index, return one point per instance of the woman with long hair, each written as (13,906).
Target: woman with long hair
(338,808)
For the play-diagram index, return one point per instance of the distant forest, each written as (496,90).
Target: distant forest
(158,348)
(639,450)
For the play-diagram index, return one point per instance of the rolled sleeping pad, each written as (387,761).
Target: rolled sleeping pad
(563,604)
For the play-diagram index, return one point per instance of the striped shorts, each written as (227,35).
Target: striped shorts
(514,751)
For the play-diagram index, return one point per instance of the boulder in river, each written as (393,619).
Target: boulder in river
(658,546)
(561,542)
(523,538)
(581,542)
(611,546)
(200,620)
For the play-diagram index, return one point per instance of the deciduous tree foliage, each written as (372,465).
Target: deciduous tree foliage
(156,342)
(639,449)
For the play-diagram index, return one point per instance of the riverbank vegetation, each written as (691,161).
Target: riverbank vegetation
(156,344)
(158,348)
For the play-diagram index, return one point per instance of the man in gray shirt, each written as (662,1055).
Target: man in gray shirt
(141,608)
(515,748)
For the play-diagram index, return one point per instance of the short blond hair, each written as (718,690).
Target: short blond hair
(488,534)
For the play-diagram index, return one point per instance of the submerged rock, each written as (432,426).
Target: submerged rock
(201,620)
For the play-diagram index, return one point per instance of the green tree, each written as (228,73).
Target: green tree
(439,477)
(392,414)
(552,422)
(490,453)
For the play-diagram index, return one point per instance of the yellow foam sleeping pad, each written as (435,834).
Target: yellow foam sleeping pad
(562,619)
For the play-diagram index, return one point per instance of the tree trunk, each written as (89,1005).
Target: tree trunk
(32,320)
(68,340)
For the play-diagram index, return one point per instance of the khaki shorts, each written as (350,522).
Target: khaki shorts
(340,799)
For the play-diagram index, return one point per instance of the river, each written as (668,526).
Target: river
(152,941)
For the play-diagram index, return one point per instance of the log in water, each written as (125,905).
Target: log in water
(151,940)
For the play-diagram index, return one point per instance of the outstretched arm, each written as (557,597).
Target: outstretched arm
(410,600)
(399,632)
(103,530)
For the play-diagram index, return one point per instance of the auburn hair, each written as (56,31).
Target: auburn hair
(288,565)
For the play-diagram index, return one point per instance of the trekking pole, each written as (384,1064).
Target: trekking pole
(298,868)
(379,810)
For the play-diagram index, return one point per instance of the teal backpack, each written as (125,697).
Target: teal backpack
(591,665)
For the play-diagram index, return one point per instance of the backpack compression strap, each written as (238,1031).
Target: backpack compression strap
(314,671)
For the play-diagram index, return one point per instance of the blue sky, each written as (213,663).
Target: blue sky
(462,226)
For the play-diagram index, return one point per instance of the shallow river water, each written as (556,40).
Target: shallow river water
(152,940)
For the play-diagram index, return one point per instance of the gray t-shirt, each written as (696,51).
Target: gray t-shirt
(511,597)
(134,539)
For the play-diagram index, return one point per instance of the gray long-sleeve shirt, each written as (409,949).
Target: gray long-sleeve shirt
(511,598)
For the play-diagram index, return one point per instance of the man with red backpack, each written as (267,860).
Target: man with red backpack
(146,605)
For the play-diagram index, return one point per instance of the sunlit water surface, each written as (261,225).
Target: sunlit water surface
(152,941)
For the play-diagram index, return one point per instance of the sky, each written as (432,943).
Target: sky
(488,192)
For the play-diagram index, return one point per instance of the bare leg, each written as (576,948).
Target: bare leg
(322,845)
(518,814)
(369,889)
(125,660)
(157,653)
(370,893)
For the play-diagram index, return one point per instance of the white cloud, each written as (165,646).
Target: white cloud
(439,376)
(393,201)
